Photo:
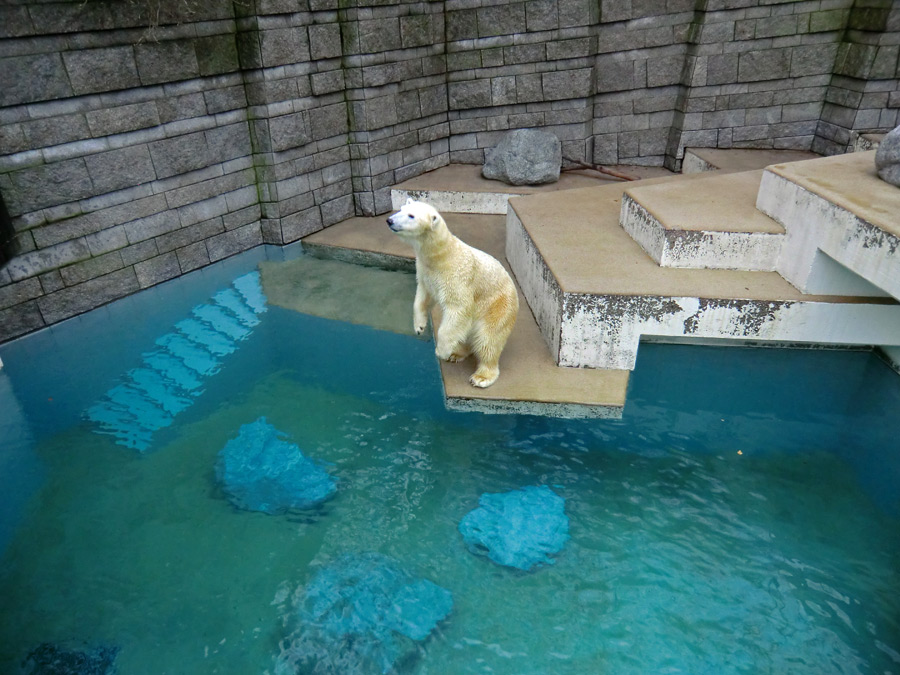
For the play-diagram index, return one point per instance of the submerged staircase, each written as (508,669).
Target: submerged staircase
(172,376)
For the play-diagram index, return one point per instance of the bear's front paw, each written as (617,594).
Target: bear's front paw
(484,377)
(454,355)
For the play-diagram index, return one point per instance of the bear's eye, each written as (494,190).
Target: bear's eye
(410,215)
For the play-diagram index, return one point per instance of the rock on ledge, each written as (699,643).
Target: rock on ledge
(524,157)
(887,158)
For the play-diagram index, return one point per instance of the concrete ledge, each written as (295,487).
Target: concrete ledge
(709,222)
(530,381)
(836,206)
(611,294)
(460,188)
(697,160)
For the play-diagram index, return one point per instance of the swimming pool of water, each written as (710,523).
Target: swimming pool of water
(742,517)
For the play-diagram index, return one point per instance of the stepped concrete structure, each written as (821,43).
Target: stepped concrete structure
(141,140)
(803,252)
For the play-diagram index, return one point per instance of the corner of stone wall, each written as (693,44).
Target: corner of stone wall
(139,156)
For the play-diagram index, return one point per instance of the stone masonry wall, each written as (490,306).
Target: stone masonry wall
(144,139)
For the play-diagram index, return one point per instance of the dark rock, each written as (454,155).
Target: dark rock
(887,158)
(524,157)
(362,613)
(519,528)
(51,659)
(259,471)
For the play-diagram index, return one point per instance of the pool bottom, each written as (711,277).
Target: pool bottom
(703,539)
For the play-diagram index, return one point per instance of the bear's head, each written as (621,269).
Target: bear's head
(415,219)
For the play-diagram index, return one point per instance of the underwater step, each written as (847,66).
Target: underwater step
(223,321)
(147,398)
(205,336)
(234,302)
(333,289)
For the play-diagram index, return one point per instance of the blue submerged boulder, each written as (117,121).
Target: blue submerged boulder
(260,471)
(518,529)
(361,614)
(53,659)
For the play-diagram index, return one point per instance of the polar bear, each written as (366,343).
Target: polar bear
(478,299)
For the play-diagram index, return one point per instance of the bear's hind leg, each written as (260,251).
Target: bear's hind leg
(488,340)
(488,352)
(452,337)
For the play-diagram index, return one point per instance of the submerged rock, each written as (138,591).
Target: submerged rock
(362,613)
(51,659)
(518,529)
(524,157)
(259,471)
(887,158)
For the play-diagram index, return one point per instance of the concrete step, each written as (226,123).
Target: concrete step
(861,142)
(842,225)
(698,160)
(708,222)
(530,381)
(596,294)
(460,188)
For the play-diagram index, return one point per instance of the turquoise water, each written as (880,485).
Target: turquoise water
(742,517)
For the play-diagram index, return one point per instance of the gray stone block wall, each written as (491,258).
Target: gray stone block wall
(132,154)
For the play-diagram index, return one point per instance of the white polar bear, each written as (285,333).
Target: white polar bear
(478,299)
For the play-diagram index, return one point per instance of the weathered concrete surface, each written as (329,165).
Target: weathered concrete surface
(460,188)
(697,160)
(708,222)
(861,142)
(530,380)
(836,206)
(612,293)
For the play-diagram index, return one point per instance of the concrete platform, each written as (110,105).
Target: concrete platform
(709,222)
(460,188)
(838,216)
(595,293)
(698,160)
(530,380)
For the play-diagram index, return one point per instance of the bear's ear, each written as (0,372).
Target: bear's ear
(435,217)
(409,200)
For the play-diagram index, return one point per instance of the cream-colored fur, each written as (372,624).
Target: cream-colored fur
(477,297)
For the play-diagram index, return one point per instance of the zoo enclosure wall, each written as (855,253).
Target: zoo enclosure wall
(141,140)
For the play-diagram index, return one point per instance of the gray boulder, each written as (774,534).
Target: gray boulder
(524,157)
(887,158)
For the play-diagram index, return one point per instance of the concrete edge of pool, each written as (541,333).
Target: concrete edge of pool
(538,372)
